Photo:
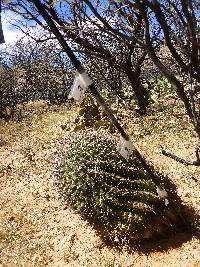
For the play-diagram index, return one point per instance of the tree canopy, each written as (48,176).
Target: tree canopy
(126,33)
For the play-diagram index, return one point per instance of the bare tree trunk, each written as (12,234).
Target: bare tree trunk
(141,94)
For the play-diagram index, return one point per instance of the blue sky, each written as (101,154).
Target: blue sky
(10,32)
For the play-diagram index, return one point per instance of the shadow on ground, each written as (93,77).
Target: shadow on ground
(171,240)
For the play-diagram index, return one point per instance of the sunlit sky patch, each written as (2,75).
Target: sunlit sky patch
(11,34)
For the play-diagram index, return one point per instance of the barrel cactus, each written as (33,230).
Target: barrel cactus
(119,195)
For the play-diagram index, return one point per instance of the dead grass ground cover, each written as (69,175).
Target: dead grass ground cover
(37,230)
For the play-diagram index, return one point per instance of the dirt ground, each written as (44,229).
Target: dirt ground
(36,229)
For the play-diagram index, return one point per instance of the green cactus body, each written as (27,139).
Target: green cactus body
(117,193)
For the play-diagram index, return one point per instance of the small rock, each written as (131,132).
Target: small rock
(71,238)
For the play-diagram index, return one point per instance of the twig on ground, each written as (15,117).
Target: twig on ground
(181,160)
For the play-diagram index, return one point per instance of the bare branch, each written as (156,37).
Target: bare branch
(178,159)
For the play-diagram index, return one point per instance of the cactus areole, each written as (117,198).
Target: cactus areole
(118,194)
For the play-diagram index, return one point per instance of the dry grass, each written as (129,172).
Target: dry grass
(37,230)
